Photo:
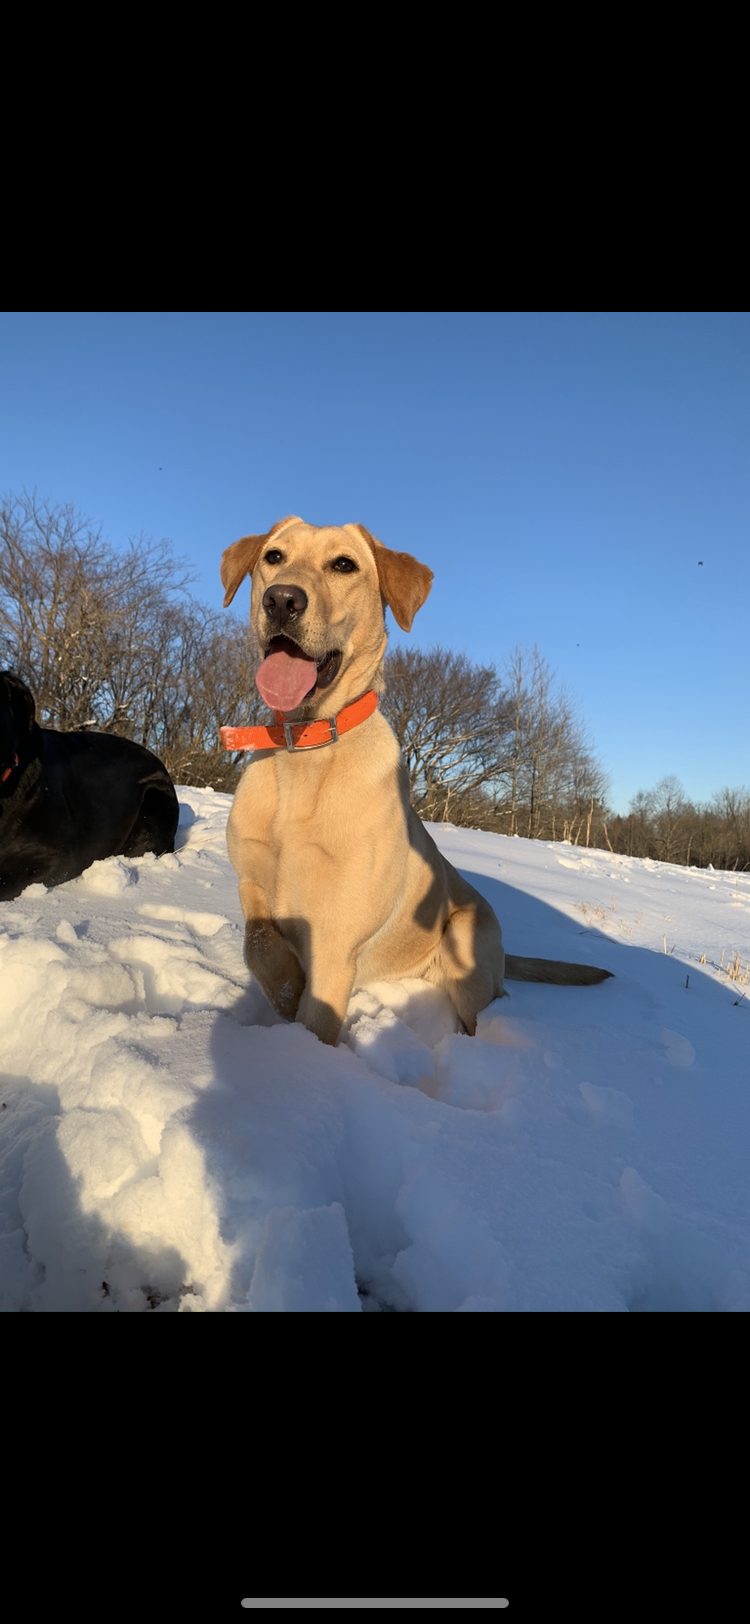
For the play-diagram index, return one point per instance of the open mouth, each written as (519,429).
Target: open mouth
(288,675)
(328,668)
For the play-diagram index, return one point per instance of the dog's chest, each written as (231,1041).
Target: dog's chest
(308,828)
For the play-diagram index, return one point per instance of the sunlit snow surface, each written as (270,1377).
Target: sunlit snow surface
(167,1143)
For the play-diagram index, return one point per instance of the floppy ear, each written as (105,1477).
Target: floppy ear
(404,583)
(238,561)
(241,558)
(20,700)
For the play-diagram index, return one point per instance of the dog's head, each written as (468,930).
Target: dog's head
(317,609)
(17,711)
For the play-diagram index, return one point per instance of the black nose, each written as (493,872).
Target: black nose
(285,603)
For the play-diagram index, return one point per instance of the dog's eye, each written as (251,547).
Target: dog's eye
(345,566)
(274,557)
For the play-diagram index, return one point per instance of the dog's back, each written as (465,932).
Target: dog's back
(107,779)
(68,799)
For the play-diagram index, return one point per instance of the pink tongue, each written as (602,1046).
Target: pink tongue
(284,679)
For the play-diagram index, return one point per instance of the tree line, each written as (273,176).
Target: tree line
(115,640)
(507,751)
(666,824)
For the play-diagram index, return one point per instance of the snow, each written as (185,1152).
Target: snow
(168,1143)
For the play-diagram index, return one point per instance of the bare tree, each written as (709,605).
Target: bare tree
(114,641)
(208,681)
(519,723)
(77,618)
(551,778)
(444,712)
(501,753)
(665,808)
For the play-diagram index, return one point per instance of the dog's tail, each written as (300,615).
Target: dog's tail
(553,970)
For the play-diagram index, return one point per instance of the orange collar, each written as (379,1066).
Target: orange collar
(310,735)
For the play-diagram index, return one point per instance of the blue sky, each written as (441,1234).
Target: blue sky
(561,474)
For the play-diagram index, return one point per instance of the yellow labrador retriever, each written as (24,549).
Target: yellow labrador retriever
(339,880)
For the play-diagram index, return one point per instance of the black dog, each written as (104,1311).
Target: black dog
(67,799)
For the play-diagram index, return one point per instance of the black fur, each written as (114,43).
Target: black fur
(73,797)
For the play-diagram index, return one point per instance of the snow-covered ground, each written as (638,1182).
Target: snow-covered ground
(166,1142)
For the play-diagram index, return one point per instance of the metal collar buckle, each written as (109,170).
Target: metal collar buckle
(289,734)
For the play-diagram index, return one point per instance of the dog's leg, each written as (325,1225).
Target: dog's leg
(268,957)
(470,962)
(328,988)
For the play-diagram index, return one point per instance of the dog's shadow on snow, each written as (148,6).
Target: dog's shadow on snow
(536,929)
